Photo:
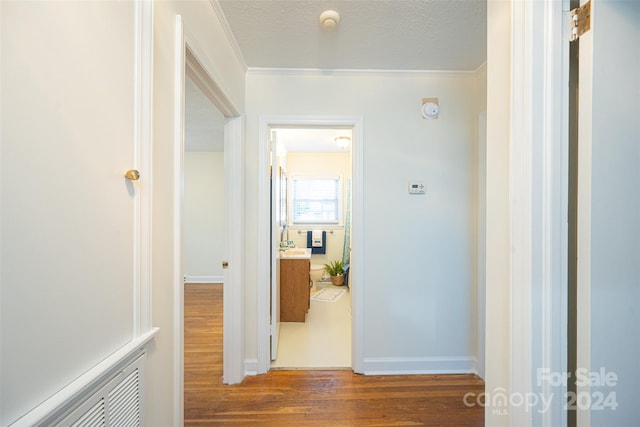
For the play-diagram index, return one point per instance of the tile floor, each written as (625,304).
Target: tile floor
(323,341)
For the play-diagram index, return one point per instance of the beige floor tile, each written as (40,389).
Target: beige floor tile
(323,341)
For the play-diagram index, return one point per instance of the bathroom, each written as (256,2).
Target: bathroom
(313,161)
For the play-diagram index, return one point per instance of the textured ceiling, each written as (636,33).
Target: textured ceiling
(372,34)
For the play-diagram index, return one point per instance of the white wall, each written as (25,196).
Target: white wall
(228,73)
(419,250)
(615,207)
(67,260)
(66,139)
(317,164)
(203,215)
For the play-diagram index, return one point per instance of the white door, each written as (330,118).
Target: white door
(68,129)
(278,227)
(608,209)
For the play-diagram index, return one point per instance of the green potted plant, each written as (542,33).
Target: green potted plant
(335,269)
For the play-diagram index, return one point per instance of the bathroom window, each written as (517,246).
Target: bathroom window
(315,200)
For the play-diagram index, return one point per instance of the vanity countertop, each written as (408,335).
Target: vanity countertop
(296,253)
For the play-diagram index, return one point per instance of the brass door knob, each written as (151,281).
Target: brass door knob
(132,174)
(225,264)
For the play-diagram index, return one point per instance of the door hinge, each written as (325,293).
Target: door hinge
(580,21)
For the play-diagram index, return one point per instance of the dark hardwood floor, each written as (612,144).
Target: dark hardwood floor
(309,398)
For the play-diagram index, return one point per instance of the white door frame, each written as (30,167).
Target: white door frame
(356,272)
(189,59)
(538,202)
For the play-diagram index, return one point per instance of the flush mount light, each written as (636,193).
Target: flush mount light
(342,142)
(329,19)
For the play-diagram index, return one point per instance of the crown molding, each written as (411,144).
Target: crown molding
(215,4)
(358,73)
(482,68)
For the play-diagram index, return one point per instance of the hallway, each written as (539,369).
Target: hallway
(317,397)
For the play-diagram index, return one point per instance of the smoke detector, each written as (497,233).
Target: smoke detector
(329,19)
(430,108)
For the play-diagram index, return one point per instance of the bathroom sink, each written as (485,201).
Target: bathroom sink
(296,253)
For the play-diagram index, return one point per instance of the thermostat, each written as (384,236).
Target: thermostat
(417,187)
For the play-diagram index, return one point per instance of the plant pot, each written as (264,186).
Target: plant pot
(337,280)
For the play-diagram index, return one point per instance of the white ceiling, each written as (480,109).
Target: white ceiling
(315,139)
(372,34)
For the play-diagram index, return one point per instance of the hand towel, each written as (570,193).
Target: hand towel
(317,250)
(316,239)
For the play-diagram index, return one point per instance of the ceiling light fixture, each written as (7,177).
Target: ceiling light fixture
(329,19)
(342,142)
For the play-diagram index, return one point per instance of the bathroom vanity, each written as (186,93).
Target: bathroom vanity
(295,284)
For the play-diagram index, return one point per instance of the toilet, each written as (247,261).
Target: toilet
(316,273)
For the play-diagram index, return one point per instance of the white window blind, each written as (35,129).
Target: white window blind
(315,200)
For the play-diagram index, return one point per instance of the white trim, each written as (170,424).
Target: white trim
(215,4)
(481,68)
(481,242)
(263,241)
(233,348)
(521,226)
(188,49)
(263,227)
(1,210)
(143,124)
(204,279)
(178,275)
(419,365)
(199,75)
(258,71)
(553,316)
(538,169)
(357,270)
(251,367)
(73,389)
(585,132)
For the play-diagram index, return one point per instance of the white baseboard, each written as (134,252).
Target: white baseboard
(250,367)
(403,365)
(419,365)
(203,279)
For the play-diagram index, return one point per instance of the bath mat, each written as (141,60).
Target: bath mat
(329,295)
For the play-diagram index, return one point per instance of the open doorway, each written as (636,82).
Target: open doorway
(203,200)
(217,120)
(189,64)
(266,231)
(203,207)
(311,211)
